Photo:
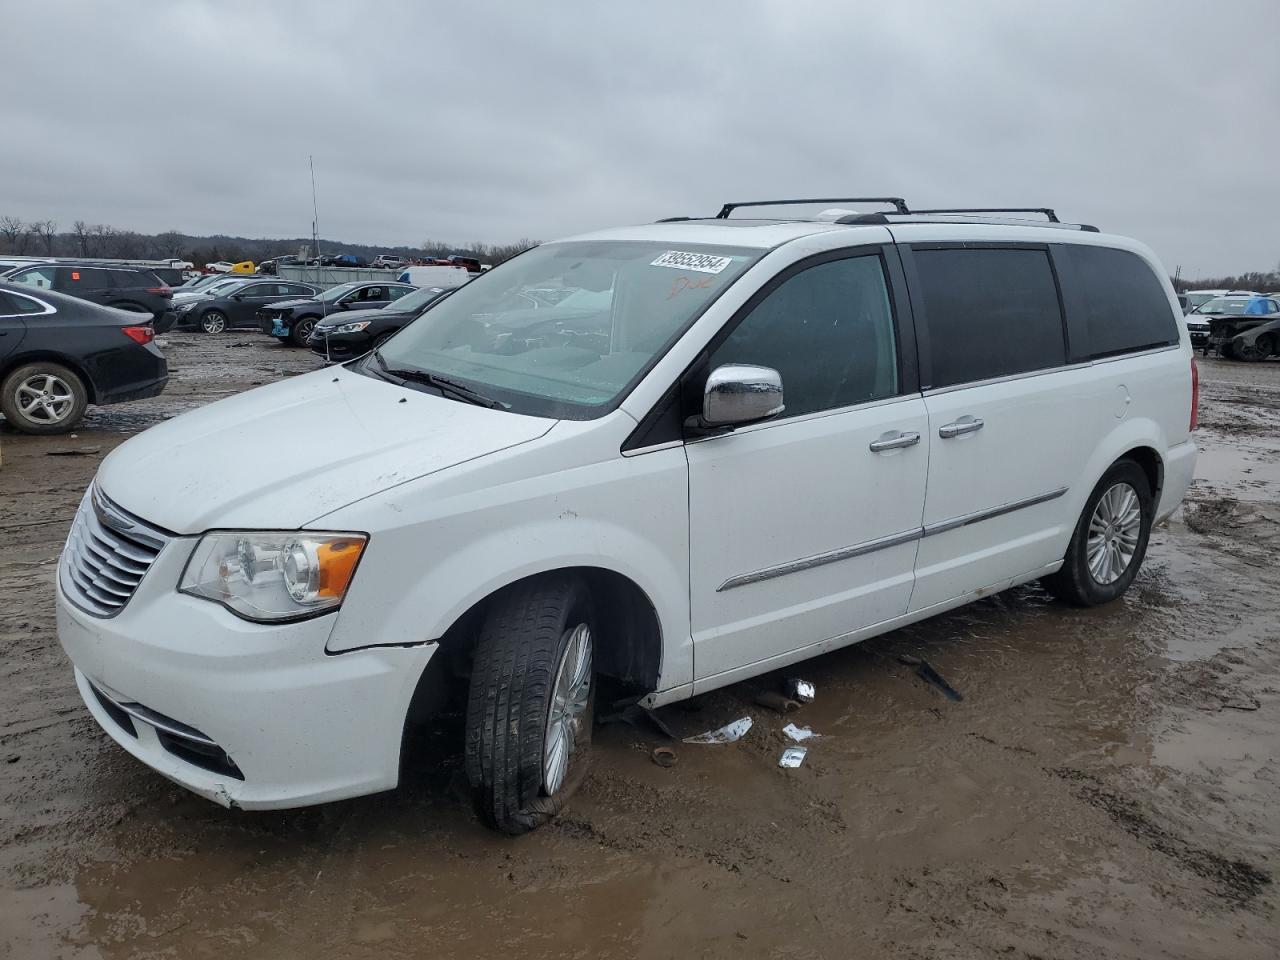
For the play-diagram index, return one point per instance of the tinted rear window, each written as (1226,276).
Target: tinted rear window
(990,313)
(1124,303)
(80,279)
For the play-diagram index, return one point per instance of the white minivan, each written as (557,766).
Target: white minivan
(747,442)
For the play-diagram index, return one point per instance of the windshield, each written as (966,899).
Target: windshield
(336,293)
(1197,299)
(411,302)
(1224,306)
(626,302)
(222,286)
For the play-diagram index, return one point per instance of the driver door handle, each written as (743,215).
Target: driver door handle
(960,427)
(894,440)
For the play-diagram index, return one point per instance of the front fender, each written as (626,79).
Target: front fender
(431,558)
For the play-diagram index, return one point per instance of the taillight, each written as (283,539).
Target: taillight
(1195,394)
(143,335)
(160,291)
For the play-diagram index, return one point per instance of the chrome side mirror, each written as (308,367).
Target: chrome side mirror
(738,393)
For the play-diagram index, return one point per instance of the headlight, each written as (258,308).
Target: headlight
(184,307)
(353,327)
(269,577)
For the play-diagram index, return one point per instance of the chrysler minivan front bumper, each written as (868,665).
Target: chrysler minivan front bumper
(247,715)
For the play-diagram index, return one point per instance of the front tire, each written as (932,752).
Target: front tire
(43,398)
(301,331)
(1110,539)
(531,703)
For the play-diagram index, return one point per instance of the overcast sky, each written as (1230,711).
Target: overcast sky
(496,121)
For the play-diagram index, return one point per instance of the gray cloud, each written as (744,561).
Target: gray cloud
(492,121)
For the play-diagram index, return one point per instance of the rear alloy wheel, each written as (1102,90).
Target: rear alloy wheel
(1110,539)
(301,331)
(213,321)
(43,398)
(531,704)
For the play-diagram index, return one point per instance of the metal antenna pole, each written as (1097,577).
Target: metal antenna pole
(315,213)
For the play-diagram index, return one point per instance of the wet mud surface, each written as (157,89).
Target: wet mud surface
(1108,786)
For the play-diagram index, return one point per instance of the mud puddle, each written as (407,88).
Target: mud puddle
(1108,785)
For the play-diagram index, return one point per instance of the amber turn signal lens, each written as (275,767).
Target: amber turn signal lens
(337,560)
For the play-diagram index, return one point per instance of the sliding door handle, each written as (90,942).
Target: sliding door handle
(894,440)
(959,428)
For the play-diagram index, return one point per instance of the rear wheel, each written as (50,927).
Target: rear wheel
(1110,539)
(301,331)
(531,703)
(43,398)
(213,321)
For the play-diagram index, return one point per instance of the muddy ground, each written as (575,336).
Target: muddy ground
(1108,786)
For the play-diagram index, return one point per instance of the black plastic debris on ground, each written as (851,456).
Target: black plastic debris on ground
(931,676)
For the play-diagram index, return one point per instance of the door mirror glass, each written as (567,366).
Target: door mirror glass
(739,393)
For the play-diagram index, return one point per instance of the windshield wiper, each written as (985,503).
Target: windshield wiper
(447,387)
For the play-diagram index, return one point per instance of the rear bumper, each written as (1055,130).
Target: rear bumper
(130,373)
(1179,469)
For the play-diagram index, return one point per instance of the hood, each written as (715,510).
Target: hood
(286,454)
(339,317)
(286,305)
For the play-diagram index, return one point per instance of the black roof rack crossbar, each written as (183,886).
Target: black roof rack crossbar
(1053,217)
(897,202)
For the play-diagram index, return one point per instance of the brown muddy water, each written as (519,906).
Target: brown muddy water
(1108,786)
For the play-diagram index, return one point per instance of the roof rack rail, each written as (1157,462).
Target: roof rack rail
(897,202)
(1053,217)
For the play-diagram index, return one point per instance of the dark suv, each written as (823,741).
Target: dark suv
(129,288)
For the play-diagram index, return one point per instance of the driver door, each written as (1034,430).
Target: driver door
(803,528)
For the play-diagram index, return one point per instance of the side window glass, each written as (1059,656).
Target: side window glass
(373,293)
(990,313)
(41,278)
(828,330)
(15,305)
(1125,304)
(395,293)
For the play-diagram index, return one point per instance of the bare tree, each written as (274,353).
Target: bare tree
(102,240)
(47,231)
(14,232)
(81,231)
(169,244)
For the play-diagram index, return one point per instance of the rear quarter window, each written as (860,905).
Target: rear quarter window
(1123,302)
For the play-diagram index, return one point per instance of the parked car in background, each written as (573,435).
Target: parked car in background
(435,275)
(341,336)
(272,266)
(220,266)
(233,305)
(58,354)
(136,289)
(1241,327)
(776,438)
(471,264)
(389,261)
(213,281)
(292,321)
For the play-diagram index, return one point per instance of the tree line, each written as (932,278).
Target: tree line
(42,238)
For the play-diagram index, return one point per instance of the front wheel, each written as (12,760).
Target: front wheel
(531,703)
(43,398)
(1254,352)
(1110,539)
(301,332)
(213,321)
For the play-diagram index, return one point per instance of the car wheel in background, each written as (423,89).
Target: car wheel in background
(531,703)
(213,321)
(43,398)
(1110,539)
(1260,349)
(301,331)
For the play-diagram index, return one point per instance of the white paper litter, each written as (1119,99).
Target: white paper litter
(792,757)
(798,734)
(726,734)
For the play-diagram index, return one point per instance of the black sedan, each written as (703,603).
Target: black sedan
(293,320)
(237,305)
(356,332)
(58,354)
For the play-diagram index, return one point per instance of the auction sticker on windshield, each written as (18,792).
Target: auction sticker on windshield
(700,262)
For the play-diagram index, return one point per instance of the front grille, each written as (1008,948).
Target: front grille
(108,552)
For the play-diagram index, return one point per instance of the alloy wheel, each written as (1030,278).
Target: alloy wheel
(45,398)
(1114,530)
(213,323)
(569,699)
